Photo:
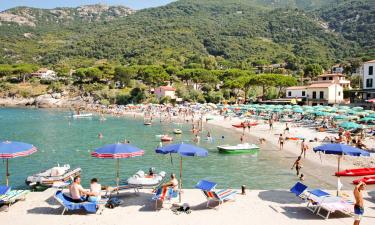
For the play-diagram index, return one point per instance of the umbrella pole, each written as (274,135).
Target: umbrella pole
(338,177)
(7,173)
(118,174)
(180,179)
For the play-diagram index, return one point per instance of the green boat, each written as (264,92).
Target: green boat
(245,148)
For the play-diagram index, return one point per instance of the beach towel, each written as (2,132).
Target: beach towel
(68,203)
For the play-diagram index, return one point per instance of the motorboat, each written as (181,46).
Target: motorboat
(147,123)
(166,138)
(50,176)
(238,149)
(177,131)
(141,179)
(85,115)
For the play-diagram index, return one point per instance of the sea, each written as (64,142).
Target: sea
(60,139)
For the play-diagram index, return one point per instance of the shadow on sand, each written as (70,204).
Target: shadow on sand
(279,197)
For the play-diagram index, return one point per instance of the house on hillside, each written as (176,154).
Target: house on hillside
(317,93)
(165,91)
(45,74)
(336,78)
(337,69)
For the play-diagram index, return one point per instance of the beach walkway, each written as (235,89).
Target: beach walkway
(256,207)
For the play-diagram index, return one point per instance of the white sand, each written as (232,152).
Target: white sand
(257,207)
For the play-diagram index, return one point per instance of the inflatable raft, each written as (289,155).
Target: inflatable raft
(55,174)
(166,138)
(356,172)
(143,180)
(366,180)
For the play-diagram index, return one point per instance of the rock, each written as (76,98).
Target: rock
(56,95)
(46,101)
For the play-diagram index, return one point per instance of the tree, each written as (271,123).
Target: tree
(124,74)
(154,75)
(283,81)
(22,70)
(313,70)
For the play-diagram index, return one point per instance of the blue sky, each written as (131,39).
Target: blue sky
(48,4)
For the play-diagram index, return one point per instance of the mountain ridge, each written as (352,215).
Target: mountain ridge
(181,33)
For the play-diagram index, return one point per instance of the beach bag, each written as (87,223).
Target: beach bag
(113,203)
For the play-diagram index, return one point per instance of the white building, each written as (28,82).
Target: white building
(337,68)
(336,78)
(368,78)
(165,91)
(45,74)
(318,93)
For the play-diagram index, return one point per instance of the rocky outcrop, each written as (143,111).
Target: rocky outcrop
(54,100)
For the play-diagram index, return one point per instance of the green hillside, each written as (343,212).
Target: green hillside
(237,33)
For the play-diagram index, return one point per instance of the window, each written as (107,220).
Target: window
(330,78)
(321,95)
(324,78)
(314,95)
(339,94)
(369,83)
(370,70)
(303,93)
(289,93)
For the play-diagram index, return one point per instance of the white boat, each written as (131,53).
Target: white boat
(50,176)
(143,180)
(85,115)
(237,149)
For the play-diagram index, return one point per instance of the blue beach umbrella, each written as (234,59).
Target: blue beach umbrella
(13,149)
(184,150)
(340,150)
(117,151)
(349,125)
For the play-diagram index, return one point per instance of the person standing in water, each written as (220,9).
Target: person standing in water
(358,206)
(298,165)
(281,141)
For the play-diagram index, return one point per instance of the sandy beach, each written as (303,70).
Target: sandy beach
(256,207)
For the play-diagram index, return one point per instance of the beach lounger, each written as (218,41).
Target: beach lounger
(4,189)
(11,196)
(68,204)
(221,196)
(315,198)
(299,189)
(332,204)
(164,193)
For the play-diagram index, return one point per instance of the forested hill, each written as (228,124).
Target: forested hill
(235,32)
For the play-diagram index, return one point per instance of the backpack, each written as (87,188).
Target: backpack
(113,203)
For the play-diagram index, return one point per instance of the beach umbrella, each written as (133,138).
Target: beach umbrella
(358,108)
(13,149)
(298,110)
(367,119)
(349,125)
(340,150)
(340,117)
(371,115)
(184,150)
(117,151)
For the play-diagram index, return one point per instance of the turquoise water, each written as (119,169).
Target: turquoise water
(60,139)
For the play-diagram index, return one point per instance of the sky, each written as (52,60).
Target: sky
(48,4)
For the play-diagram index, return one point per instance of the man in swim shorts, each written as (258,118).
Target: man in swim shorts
(358,207)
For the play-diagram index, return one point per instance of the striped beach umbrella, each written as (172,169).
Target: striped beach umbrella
(117,151)
(13,149)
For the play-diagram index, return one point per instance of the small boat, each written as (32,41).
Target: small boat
(242,125)
(366,180)
(177,131)
(55,174)
(166,138)
(144,180)
(85,115)
(356,172)
(238,149)
(147,123)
